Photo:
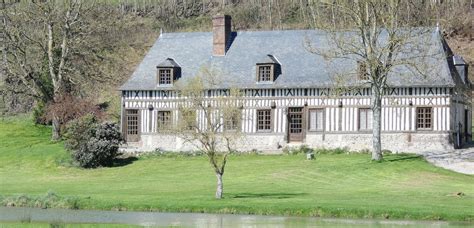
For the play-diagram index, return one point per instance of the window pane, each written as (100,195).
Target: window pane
(362,119)
(424,120)
(231,122)
(264,120)
(316,120)
(319,125)
(365,119)
(164,120)
(264,73)
(164,76)
(312,120)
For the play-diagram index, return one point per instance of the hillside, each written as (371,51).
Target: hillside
(119,33)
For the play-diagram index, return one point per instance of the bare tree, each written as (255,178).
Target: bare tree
(218,127)
(59,35)
(41,37)
(378,41)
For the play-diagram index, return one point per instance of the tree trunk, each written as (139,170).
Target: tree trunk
(220,186)
(377,127)
(56,129)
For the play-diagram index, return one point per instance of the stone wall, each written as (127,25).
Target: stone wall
(395,142)
(274,143)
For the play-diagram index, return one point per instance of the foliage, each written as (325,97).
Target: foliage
(79,131)
(50,200)
(338,150)
(39,112)
(68,108)
(303,149)
(92,144)
(169,154)
(333,185)
(102,147)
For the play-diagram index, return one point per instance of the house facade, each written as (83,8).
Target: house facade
(288,94)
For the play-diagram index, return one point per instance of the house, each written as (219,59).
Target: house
(287,93)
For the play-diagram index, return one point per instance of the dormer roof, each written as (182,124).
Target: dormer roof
(268,59)
(458,60)
(168,62)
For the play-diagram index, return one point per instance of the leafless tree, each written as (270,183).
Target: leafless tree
(216,131)
(379,41)
(41,38)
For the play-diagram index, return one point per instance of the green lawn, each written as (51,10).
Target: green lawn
(332,185)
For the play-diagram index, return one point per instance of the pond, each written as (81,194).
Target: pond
(21,217)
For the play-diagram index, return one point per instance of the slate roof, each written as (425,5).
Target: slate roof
(299,67)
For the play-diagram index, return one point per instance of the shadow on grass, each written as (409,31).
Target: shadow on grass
(402,157)
(119,162)
(277,195)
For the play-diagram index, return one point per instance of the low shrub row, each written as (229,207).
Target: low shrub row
(50,200)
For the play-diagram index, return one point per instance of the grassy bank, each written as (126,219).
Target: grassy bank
(341,185)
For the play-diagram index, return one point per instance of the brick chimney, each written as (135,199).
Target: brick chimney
(221,29)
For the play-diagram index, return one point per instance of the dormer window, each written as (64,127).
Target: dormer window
(168,71)
(265,73)
(164,76)
(268,69)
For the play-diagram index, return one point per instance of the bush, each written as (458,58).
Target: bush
(39,113)
(79,131)
(92,144)
(338,150)
(303,149)
(69,108)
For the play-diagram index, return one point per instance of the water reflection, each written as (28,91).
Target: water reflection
(151,219)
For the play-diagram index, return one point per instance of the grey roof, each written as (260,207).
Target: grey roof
(299,67)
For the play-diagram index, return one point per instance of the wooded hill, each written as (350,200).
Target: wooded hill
(106,39)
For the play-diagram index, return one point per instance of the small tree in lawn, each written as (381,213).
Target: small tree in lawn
(212,125)
(380,40)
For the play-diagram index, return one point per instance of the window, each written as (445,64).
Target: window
(165,76)
(365,119)
(264,73)
(316,119)
(264,120)
(188,119)
(362,71)
(231,121)
(230,124)
(423,118)
(164,120)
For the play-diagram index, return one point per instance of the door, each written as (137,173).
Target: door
(295,124)
(132,125)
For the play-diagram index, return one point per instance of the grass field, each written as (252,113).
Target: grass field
(339,185)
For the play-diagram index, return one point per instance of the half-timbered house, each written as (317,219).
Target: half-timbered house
(288,97)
